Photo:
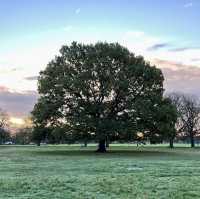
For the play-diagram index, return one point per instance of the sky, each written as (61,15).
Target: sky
(166,33)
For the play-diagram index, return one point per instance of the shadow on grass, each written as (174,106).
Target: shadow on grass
(110,153)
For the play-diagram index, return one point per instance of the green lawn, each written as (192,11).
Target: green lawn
(72,172)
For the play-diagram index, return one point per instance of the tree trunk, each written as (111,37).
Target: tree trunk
(192,140)
(102,146)
(85,143)
(171,143)
(107,142)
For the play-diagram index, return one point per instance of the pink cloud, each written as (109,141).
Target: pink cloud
(17,104)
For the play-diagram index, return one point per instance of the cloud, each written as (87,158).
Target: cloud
(22,63)
(31,78)
(195,59)
(15,103)
(183,79)
(160,52)
(3,89)
(179,49)
(169,64)
(6,69)
(180,66)
(179,76)
(138,41)
(182,57)
(188,5)
(158,46)
(182,49)
(77,11)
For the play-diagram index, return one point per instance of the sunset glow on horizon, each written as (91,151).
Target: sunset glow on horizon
(16,121)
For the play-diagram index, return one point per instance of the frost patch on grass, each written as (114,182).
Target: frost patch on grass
(134,168)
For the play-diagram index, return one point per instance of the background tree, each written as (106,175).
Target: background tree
(188,109)
(25,133)
(39,134)
(166,117)
(177,101)
(3,119)
(4,133)
(158,121)
(23,136)
(97,88)
(191,116)
(4,136)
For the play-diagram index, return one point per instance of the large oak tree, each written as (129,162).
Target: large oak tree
(101,89)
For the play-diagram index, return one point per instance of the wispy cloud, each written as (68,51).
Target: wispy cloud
(188,5)
(167,64)
(31,78)
(183,49)
(153,47)
(77,11)
(179,49)
(158,46)
(138,41)
(5,69)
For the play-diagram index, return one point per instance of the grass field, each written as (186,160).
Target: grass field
(125,172)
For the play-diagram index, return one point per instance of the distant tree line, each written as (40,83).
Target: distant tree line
(186,127)
(178,119)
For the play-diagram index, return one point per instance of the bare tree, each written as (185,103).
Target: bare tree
(4,133)
(188,108)
(191,116)
(3,119)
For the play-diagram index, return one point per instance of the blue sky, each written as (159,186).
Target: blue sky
(31,32)
(171,18)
